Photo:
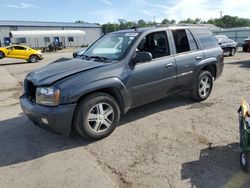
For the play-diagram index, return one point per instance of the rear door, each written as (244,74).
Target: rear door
(187,55)
(152,80)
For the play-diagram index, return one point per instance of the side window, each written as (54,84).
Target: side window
(155,43)
(19,48)
(46,39)
(181,40)
(71,39)
(206,37)
(21,40)
(192,42)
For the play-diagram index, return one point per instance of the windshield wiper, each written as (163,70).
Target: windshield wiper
(86,57)
(100,58)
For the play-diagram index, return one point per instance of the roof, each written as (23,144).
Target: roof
(15,45)
(42,33)
(161,27)
(46,24)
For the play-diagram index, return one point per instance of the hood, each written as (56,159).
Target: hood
(53,72)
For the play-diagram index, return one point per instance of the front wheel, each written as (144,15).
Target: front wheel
(232,52)
(203,86)
(33,59)
(96,116)
(244,161)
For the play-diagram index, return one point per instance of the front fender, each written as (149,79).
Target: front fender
(77,91)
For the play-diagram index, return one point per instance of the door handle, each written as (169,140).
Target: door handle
(169,65)
(198,58)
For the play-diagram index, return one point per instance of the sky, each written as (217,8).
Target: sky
(103,11)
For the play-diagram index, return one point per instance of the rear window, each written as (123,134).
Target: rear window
(206,37)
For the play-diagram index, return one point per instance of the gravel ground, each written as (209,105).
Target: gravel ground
(173,142)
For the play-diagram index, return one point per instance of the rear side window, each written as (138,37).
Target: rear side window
(19,48)
(181,40)
(192,42)
(206,38)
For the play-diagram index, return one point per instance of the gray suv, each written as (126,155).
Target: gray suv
(120,71)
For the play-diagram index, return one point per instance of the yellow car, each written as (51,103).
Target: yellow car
(21,52)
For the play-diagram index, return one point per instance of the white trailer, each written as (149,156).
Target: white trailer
(43,38)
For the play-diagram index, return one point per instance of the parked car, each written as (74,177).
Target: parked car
(246,45)
(90,94)
(21,52)
(229,46)
(78,53)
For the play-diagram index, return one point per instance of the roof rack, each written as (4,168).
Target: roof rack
(181,24)
(134,27)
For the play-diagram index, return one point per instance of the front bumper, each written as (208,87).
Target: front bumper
(58,118)
(40,56)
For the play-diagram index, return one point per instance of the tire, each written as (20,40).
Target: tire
(245,162)
(90,120)
(203,86)
(1,55)
(33,59)
(232,52)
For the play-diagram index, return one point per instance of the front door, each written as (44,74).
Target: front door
(152,80)
(18,52)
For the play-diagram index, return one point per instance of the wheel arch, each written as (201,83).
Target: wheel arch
(210,68)
(4,55)
(112,91)
(33,55)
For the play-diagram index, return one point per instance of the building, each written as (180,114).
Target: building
(38,34)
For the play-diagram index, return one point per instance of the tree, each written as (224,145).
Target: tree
(165,21)
(141,23)
(172,21)
(228,21)
(191,21)
(188,21)
(109,27)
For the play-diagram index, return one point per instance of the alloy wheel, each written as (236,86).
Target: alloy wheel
(100,117)
(204,86)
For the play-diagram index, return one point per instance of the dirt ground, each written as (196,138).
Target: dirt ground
(173,142)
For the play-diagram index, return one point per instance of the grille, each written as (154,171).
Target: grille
(30,90)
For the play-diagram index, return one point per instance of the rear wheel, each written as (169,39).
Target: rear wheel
(1,55)
(96,116)
(244,161)
(232,52)
(203,86)
(33,59)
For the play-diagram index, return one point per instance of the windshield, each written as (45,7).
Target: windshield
(111,46)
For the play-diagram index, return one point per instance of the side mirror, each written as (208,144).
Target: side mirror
(142,57)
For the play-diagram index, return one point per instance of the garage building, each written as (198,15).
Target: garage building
(40,34)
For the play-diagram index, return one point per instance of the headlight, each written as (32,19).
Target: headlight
(49,96)
(39,53)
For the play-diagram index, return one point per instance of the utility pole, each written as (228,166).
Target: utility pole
(220,14)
